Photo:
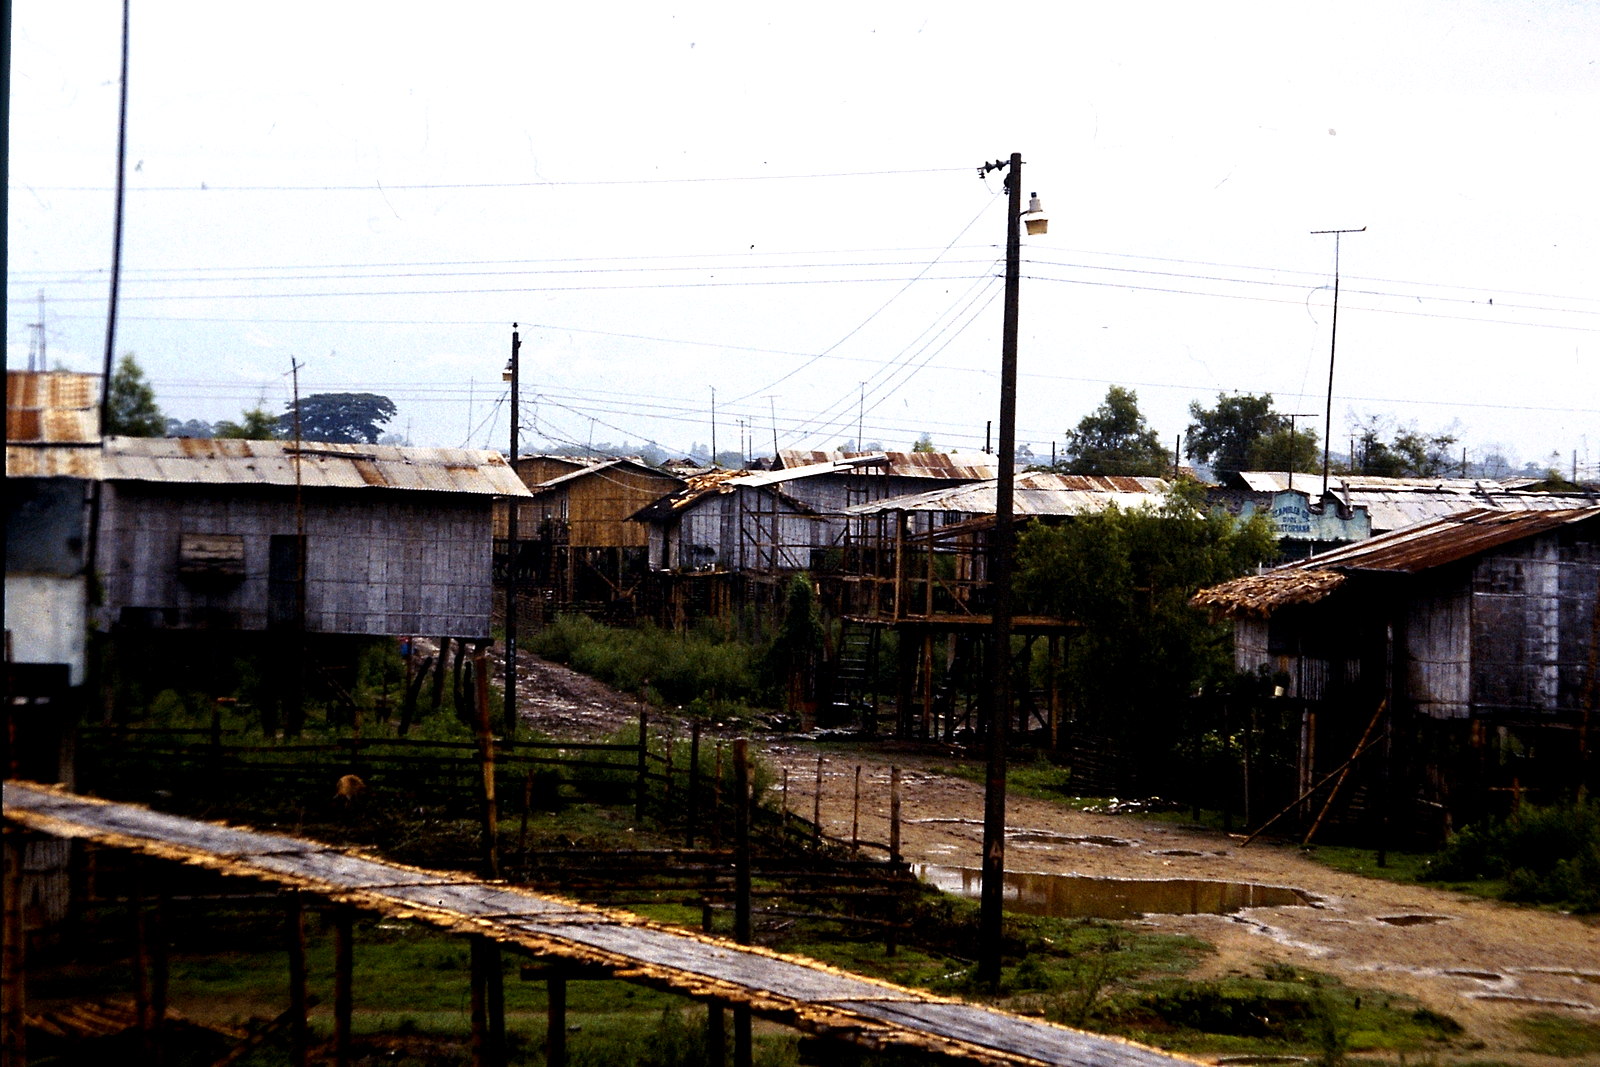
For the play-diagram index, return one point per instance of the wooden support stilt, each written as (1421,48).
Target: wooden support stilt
(488,1004)
(295,943)
(484,730)
(855,814)
(343,987)
(716,1034)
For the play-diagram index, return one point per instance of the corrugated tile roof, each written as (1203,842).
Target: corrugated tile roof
(190,460)
(1034,493)
(971,466)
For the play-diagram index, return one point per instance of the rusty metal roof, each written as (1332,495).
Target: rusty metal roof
(1410,551)
(191,461)
(1035,493)
(52,408)
(968,466)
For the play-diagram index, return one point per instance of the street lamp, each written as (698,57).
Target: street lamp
(994,793)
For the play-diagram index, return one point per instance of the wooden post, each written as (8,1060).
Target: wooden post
(640,780)
(743,1048)
(816,809)
(783,813)
(343,968)
(855,814)
(716,801)
(491,833)
(555,1041)
(741,844)
(295,942)
(666,793)
(894,814)
(488,1004)
(441,664)
(13,1047)
(150,955)
(694,783)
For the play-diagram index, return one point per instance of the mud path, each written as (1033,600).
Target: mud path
(1480,962)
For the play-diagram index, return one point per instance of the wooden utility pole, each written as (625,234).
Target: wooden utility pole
(511,554)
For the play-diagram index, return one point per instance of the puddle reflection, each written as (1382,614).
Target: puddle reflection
(1070,896)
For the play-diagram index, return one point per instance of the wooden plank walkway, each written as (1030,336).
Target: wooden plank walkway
(787,989)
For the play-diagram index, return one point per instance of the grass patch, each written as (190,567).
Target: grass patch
(1550,1034)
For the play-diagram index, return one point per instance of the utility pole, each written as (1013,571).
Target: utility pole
(514,370)
(116,227)
(772,408)
(1000,566)
(713,426)
(1333,344)
(1292,416)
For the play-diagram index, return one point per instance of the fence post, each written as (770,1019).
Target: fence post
(480,678)
(894,814)
(295,938)
(816,809)
(855,814)
(741,881)
(716,802)
(343,966)
(694,782)
(644,751)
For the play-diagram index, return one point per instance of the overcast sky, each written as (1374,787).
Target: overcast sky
(779,207)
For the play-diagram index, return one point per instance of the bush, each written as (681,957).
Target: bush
(1547,855)
(678,668)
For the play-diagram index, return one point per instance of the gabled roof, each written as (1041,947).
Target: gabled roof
(1034,493)
(190,461)
(1410,551)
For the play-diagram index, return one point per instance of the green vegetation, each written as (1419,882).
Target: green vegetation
(1544,854)
(1115,439)
(131,409)
(707,671)
(1560,1035)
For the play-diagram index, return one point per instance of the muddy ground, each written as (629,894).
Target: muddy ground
(1480,962)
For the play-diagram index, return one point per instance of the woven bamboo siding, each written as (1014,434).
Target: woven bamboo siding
(376,562)
(587,507)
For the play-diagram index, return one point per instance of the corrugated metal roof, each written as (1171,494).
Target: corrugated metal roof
(1410,551)
(972,466)
(53,461)
(192,461)
(1395,503)
(52,408)
(1035,493)
(1441,541)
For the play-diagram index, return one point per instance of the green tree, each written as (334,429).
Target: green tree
(1409,453)
(1288,448)
(1114,439)
(924,444)
(1126,576)
(256,424)
(348,418)
(131,409)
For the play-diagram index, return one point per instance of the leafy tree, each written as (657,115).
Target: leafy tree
(349,418)
(1224,436)
(256,424)
(1288,448)
(131,409)
(924,444)
(1410,453)
(1126,575)
(1114,439)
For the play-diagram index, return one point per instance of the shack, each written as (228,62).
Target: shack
(1451,664)
(317,538)
(576,543)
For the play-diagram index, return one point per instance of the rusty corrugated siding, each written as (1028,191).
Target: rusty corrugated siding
(52,407)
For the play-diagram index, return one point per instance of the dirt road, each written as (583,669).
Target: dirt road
(1480,962)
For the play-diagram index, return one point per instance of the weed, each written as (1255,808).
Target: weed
(1559,1035)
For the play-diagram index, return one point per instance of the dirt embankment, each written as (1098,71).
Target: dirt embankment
(1480,962)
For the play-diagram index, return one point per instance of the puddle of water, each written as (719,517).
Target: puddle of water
(1412,920)
(1045,837)
(1071,896)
